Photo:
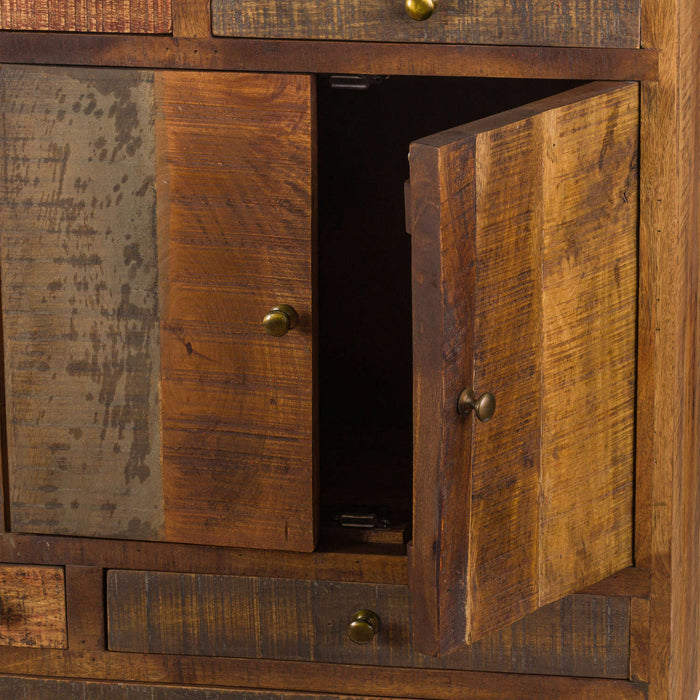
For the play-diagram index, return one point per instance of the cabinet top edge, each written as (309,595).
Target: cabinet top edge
(295,56)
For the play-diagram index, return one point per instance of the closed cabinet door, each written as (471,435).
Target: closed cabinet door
(156,236)
(524,235)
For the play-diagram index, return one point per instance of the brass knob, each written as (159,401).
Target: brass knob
(420,9)
(484,407)
(280,320)
(364,624)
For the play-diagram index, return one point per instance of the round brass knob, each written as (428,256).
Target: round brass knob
(364,624)
(420,9)
(280,320)
(484,407)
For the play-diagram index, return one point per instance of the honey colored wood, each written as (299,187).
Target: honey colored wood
(552,278)
(343,679)
(80,302)
(237,424)
(32,607)
(668,449)
(639,640)
(130,16)
(153,612)
(331,57)
(529,22)
(191,18)
(85,604)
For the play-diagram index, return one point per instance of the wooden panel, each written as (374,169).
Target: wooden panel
(554,239)
(235,225)
(38,689)
(85,607)
(331,57)
(526,22)
(307,620)
(80,301)
(131,16)
(313,677)
(191,18)
(33,607)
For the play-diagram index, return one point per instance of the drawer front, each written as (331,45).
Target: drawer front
(32,607)
(600,23)
(125,17)
(273,618)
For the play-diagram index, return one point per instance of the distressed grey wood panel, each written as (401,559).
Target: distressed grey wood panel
(594,23)
(80,301)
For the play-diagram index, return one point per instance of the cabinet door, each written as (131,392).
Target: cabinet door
(524,234)
(149,222)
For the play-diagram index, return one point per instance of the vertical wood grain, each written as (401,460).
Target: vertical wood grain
(235,169)
(526,22)
(554,339)
(127,16)
(191,18)
(32,607)
(85,595)
(80,301)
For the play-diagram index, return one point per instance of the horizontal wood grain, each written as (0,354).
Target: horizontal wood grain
(126,16)
(156,612)
(344,679)
(32,607)
(331,57)
(527,22)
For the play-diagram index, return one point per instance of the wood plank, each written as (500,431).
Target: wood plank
(131,16)
(347,566)
(237,402)
(33,610)
(41,689)
(529,22)
(313,677)
(331,57)
(85,604)
(80,302)
(554,340)
(155,612)
(639,640)
(669,445)
(191,18)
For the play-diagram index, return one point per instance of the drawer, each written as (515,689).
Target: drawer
(124,17)
(600,23)
(298,620)
(32,607)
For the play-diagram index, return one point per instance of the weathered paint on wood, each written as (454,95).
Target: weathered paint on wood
(32,607)
(602,23)
(80,301)
(262,618)
(554,293)
(125,16)
(236,233)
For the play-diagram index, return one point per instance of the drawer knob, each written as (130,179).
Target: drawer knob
(363,625)
(420,9)
(484,407)
(280,320)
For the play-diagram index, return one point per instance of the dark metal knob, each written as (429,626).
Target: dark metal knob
(280,320)
(484,407)
(364,624)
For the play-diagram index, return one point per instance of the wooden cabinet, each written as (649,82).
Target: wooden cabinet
(457,423)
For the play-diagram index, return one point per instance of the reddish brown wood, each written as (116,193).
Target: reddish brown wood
(632,582)
(331,57)
(33,607)
(312,677)
(126,16)
(237,421)
(85,596)
(527,22)
(639,639)
(553,338)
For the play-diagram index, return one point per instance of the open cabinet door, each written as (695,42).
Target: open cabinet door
(524,274)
